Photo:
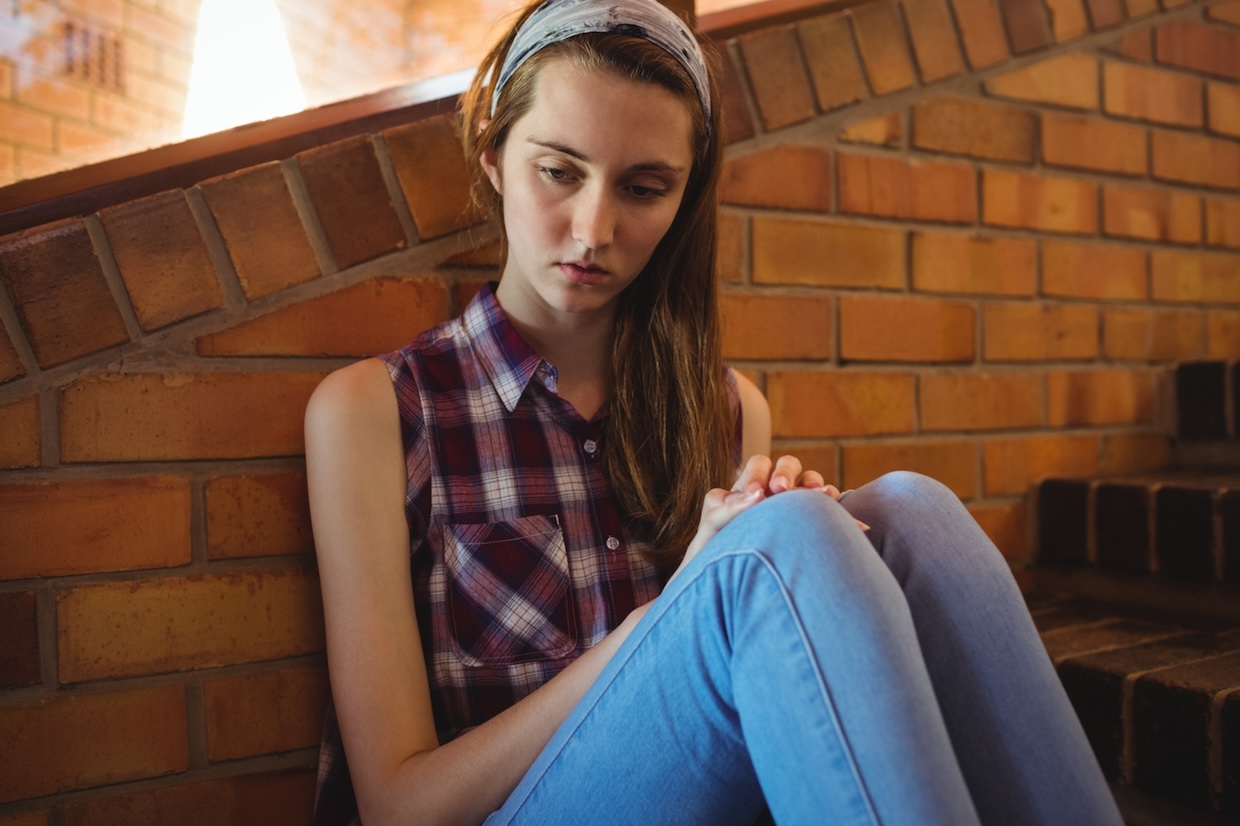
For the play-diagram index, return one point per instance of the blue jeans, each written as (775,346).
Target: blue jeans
(791,665)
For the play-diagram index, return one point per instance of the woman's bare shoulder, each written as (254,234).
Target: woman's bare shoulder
(358,394)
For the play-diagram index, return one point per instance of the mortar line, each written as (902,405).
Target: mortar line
(217,249)
(112,276)
(320,244)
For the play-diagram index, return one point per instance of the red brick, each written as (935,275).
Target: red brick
(1068,21)
(980,401)
(1105,13)
(1228,12)
(152,417)
(264,713)
(840,403)
(488,255)
(886,130)
(1028,26)
(1212,277)
(60,293)
(366,319)
(23,126)
(27,819)
(784,177)
(981,29)
(1124,453)
(1223,222)
(1069,80)
(777,77)
(285,797)
(1195,159)
(934,39)
(162,259)
(1039,332)
(766,326)
(20,424)
(258,515)
(832,61)
(954,463)
(954,263)
(434,178)
(1146,93)
(1141,334)
(1096,397)
(1223,105)
(1222,334)
(898,328)
(1005,524)
(271,254)
(976,128)
(1014,199)
(1150,213)
(730,261)
(75,527)
(737,122)
(1097,271)
(125,629)
(10,365)
(92,740)
(826,254)
(1201,47)
(898,188)
(352,202)
(1012,465)
(1091,143)
(1138,45)
(19,645)
(881,39)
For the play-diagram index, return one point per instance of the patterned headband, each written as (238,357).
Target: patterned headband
(557,20)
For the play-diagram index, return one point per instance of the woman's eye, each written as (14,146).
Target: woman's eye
(554,173)
(646,193)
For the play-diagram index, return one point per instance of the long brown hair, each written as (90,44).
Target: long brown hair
(669,432)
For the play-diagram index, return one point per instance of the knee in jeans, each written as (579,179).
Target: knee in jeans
(912,488)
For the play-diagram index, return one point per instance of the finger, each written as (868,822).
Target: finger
(860,524)
(785,474)
(811,479)
(755,474)
(832,491)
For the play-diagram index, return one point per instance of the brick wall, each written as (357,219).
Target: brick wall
(960,236)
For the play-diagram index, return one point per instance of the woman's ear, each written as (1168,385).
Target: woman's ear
(490,165)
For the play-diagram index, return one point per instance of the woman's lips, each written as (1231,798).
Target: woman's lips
(587,274)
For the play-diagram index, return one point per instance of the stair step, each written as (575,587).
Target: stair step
(1206,405)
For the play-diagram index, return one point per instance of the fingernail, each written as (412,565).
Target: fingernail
(862,525)
(753,495)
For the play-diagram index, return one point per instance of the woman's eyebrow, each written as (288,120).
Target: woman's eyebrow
(646,166)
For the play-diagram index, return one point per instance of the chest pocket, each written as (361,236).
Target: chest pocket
(508,591)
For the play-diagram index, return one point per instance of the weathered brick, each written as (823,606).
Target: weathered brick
(885,130)
(1105,13)
(1141,334)
(285,797)
(1146,93)
(59,291)
(1011,465)
(132,734)
(153,417)
(1005,524)
(832,61)
(162,259)
(767,326)
(1223,222)
(1137,45)
(974,127)
(737,122)
(27,819)
(264,713)
(899,328)
(1028,26)
(730,261)
(487,255)
(980,401)
(10,365)
(1222,334)
(840,403)
(1124,453)
(881,39)
(1151,213)
(373,317)
(953,462)
(1093,143)
(1068,20)
(20,424)
(955,263)
(125,629)
(1212,50)
(1014,199)
(351,200)
(981,29)
(1039,332)
(784,177)
(1228,12)
(258,515)
(1092,638)
(19,645)
(1195,159)
(268,255)
(434,178)
(1062,526)
(1190,276)
(1069,80)
(898,188)
(1099,271)
(25,126)
(823,458)
(826,254)
(934,39)
(1094,397)
(777,77)
(1223,106)
(74,527)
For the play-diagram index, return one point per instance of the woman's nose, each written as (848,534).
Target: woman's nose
(594,219)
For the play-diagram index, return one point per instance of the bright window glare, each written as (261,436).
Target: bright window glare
(243,68)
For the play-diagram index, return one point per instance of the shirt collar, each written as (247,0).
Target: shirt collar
(508,360)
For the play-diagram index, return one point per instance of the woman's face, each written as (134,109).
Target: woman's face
(591,178)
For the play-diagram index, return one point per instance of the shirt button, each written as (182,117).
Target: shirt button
(590,446)
(612,543)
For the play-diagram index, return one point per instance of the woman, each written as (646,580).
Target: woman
(549,595)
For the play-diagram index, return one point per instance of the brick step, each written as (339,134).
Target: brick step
(1159,700)
(1207,401)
